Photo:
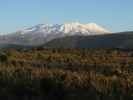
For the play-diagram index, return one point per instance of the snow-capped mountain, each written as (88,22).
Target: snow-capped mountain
(43,33)
(68,28)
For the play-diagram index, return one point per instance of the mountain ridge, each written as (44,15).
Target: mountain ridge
(67,28)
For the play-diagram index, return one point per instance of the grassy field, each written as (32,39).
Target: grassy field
(66,74)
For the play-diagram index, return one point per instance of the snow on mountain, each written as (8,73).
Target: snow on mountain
(68,28)
(43,33)
(85,29)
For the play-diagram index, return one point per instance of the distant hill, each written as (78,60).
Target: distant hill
(123,40)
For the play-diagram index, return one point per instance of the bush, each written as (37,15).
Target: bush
(3,57)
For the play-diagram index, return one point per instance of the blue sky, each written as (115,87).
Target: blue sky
(115,15)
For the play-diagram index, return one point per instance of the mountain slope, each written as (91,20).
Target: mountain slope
(122,40)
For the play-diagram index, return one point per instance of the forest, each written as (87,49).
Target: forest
(66,74)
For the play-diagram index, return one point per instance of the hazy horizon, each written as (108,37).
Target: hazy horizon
(114,15)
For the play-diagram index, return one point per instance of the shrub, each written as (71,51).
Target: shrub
(3,57)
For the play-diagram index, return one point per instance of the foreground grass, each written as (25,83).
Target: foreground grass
(66,75)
